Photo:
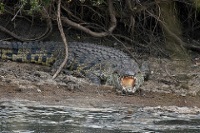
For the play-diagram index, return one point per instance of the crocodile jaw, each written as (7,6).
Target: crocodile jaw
(128,84)
(129,90)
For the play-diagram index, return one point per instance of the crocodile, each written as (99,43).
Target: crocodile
(100,64)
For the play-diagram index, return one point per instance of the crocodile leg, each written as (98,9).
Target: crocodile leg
(145,69)
(93,78)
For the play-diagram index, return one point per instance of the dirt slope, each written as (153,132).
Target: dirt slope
(166,86)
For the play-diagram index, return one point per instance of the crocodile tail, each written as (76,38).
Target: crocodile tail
(33,52)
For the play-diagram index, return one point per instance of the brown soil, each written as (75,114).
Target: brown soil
(165,87)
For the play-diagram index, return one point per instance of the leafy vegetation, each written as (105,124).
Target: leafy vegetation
(1,7)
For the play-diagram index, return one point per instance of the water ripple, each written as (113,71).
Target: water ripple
(28,117)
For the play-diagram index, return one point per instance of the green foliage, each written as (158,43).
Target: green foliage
(46,2)
(1,8)
(97,2)
(94,2)
(34,6)
(197,4)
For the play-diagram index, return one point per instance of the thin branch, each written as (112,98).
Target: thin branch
(17,12)
(11,33)
(130,53)
(192,47)
(60,27)
(113,23)
(131,17)
(49,28)
(71,14)
(41,37)
(86,30)
(113,19)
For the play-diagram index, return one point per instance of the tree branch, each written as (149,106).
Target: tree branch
(113,19)
(113,23)
(41,37)
(60,27)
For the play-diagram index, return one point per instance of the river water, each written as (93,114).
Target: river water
(32,117)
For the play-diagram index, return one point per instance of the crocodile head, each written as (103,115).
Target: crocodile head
(127,83)
(127,78)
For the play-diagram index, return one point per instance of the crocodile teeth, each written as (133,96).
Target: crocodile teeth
(128,90)
(129,76)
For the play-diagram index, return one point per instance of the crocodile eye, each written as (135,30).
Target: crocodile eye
(128,81)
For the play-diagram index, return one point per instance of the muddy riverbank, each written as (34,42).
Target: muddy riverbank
(165,87)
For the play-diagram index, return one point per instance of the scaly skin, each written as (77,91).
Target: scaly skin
(100,64)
